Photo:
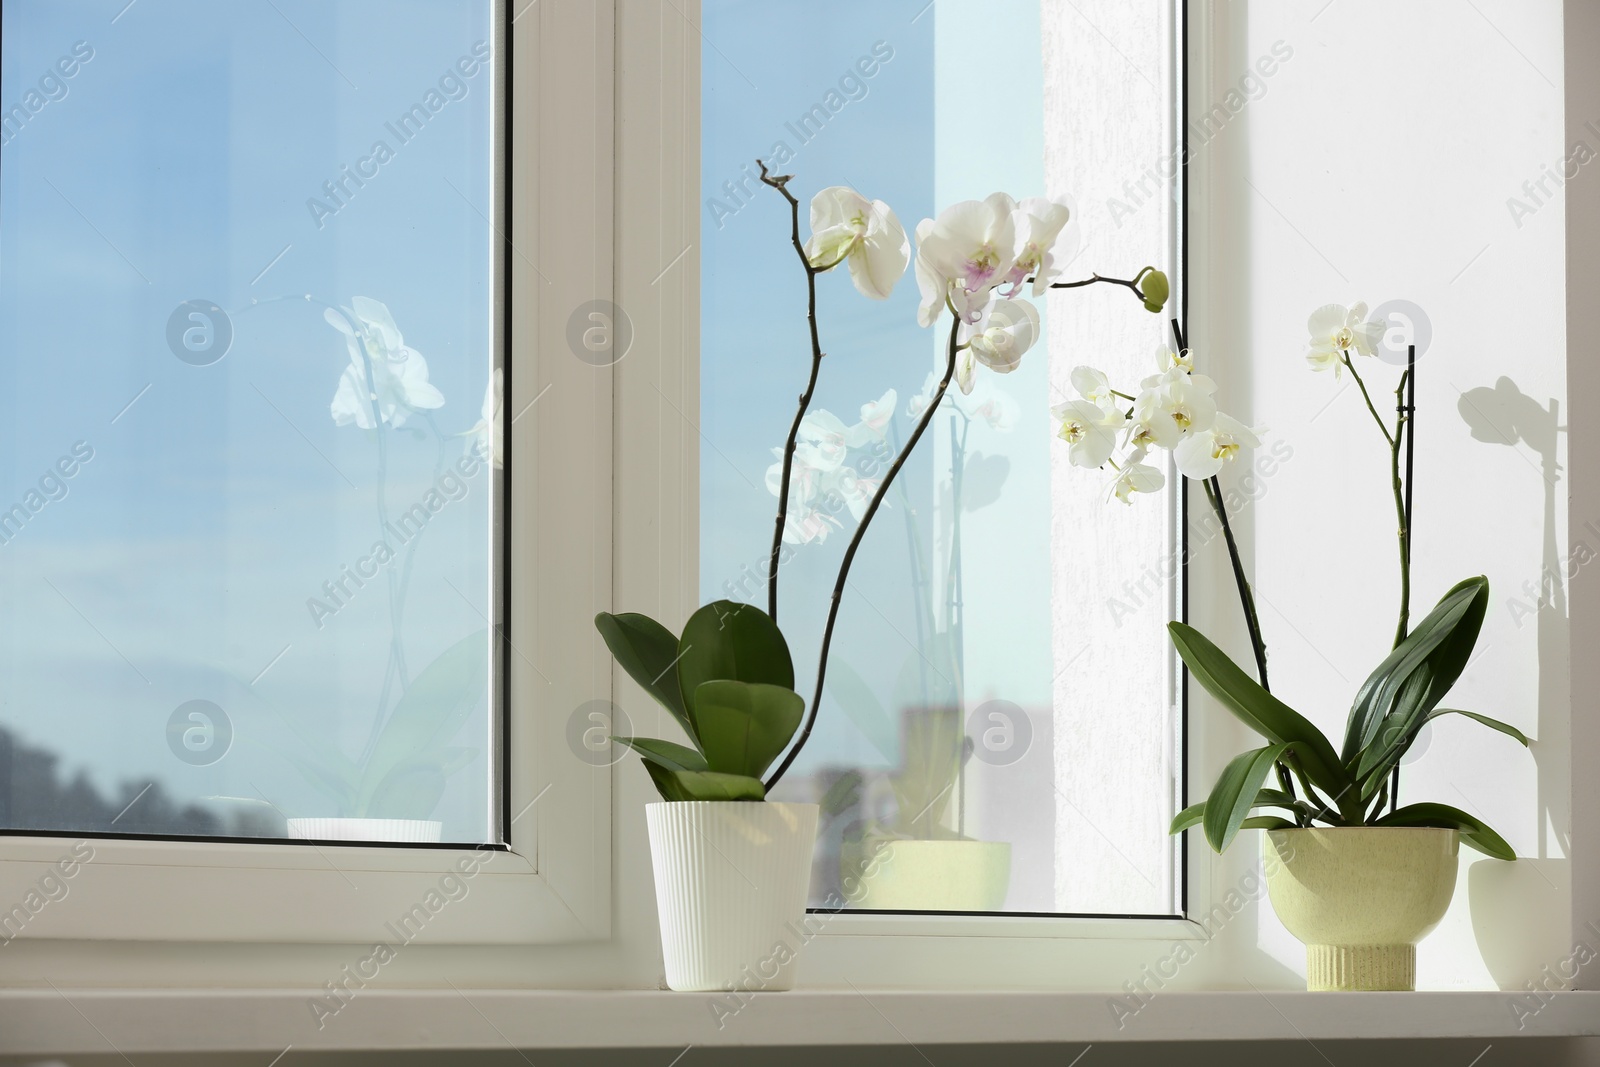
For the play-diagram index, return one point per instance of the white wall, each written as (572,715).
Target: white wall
(1376,164)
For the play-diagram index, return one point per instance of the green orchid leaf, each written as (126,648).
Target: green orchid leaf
(704,785)
(1390,706)
(1266,822)
(1234,794)
(1260,710)
(1474,832)
(862,707)
(744,726)
(730,641)
(1493,724)
(433,709)
(1193,815)
(649,653)
(665,754)
(408,792)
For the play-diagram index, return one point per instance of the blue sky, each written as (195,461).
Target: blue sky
(176,164)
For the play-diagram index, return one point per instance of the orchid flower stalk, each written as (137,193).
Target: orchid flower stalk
(964,257)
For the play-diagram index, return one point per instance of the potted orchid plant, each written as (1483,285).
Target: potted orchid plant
(731,874)
(390,790)
(1357,876)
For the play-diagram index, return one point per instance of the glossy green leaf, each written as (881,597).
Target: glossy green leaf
(704,785)
(649,653)
(1390,706)
(744,726)
(673,757)
(1193,815)
(1474,832)
(433,709)
(1235,793)
(862,707)
(730,641)
(1260,710)
(1493,724)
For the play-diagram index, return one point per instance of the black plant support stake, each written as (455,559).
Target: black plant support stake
(1408,412)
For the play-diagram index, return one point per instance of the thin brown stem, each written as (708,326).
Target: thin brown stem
(855,543)
(780,182)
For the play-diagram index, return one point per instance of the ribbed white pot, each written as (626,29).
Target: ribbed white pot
(1360,898)
(731,884)
(417,831)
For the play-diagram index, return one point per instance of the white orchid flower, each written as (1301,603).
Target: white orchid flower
(399,383)
(1136,477)
(847,227)
(963,254)
(1336,330)
(490,444)
(1093,386)
(1089,430)
(855,491)
(1153,424)
(1038,224)
(822,442)
(875,416)
(1167,359)
(803,521)
(1182,397)
(1202,454)
(1004,336)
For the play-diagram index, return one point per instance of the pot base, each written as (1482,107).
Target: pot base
(1361,968)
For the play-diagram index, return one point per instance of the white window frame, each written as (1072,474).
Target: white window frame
(553,882)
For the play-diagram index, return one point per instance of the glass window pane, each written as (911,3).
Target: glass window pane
(1013,763)
(247,338)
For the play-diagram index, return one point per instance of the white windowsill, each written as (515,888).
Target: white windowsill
(87,1021)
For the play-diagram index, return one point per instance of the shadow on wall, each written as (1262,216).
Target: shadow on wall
(1527,903)
(34,797)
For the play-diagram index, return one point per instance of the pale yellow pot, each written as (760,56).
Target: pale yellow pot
(1360,898)
(891,875)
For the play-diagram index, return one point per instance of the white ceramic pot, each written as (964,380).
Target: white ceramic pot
(1360,898)
(418,831)
(897,875)
(731,884)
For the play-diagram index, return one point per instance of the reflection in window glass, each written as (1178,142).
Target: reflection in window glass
(247,482)
(1000,699)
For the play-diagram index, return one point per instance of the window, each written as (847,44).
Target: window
(249,537)
(260,467)
(1001,701)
